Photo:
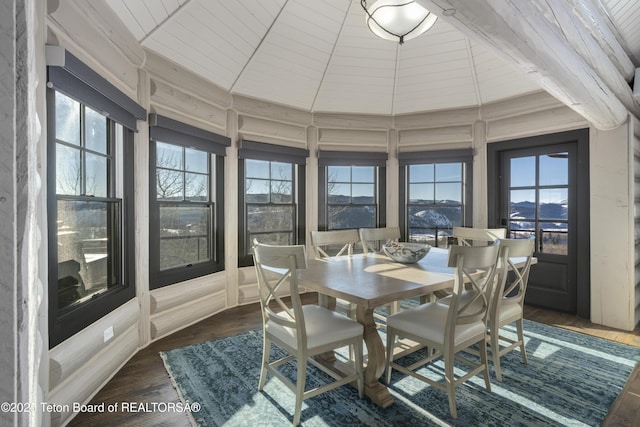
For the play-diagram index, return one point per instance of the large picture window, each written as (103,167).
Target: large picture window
(436,189)
(186,207)
(351,190)
(272,196)
(90,207)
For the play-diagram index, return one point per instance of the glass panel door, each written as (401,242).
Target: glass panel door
(538,199)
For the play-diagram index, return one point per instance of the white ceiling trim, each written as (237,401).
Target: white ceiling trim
(333,51)
(474,73)
(162,23)
(257,47)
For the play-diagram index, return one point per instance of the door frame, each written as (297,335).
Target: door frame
(581,138)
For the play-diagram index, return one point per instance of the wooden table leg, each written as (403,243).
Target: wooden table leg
(326,301)
(373,388)
(376,356)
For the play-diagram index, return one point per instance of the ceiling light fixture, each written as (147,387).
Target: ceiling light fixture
(398,20)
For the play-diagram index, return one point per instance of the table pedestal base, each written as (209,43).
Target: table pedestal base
(379,394)
(373,388)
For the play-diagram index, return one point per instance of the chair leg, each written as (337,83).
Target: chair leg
(357,349)
(523,351)
(394,307)
(300,385)
(495,351)
(391,338)
(485,362)
(351,313)
(266,352)
(450,380)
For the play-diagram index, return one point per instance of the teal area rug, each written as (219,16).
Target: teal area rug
(571,380)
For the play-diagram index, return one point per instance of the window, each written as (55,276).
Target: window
(351,190)
(272,196)
(88,202)
(186,208)
(351,197)
(90,209)
(436,189)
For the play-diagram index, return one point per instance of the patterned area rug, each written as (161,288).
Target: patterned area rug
(571,380)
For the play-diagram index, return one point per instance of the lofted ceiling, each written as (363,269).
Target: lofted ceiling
(320,56)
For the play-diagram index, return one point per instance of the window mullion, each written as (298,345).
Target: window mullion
(83,155)
(184,174)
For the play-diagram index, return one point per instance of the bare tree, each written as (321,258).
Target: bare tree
(171,182)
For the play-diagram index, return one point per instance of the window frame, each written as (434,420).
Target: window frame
(252,150)
(168,131)
(76,80)
(65,322)
(407,159)
(378,160)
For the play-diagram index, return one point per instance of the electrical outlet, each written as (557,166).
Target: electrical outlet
(108,333)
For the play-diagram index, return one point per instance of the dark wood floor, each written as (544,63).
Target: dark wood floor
(144,379)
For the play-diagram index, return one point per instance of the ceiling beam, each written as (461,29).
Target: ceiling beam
(597,21)
(560,59)
(582,39)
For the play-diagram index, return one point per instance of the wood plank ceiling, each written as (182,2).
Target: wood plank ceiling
(320,56)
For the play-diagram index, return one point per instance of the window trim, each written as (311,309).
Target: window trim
(169,131)
(405,159)
(252,150)
(352,158)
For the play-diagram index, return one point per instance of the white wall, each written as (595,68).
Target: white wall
(612,248)
(23,317)
(614,292)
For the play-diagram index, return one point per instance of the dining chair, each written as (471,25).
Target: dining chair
(345,240)
(321,241)
(303,331)
(469,236)
(448,330)
(507,300)
(371,238)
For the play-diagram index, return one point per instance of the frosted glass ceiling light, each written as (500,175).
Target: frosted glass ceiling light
(398,20)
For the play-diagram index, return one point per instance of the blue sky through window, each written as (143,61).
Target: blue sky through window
(553,171)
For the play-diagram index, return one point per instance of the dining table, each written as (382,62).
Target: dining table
(370,281)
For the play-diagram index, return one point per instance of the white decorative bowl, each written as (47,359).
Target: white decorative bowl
(406,253)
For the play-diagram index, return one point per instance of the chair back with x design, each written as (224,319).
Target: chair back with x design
(475,273)
(277,266)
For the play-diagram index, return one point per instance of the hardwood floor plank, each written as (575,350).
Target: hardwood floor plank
(144,379)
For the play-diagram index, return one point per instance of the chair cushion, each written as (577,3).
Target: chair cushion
(428,321)
(510,313)
(323,327)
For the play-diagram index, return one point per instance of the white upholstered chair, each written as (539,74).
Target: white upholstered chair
(507,300)
(371,238)
(469,236)
(449,329)
(345,240)
(302,331)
